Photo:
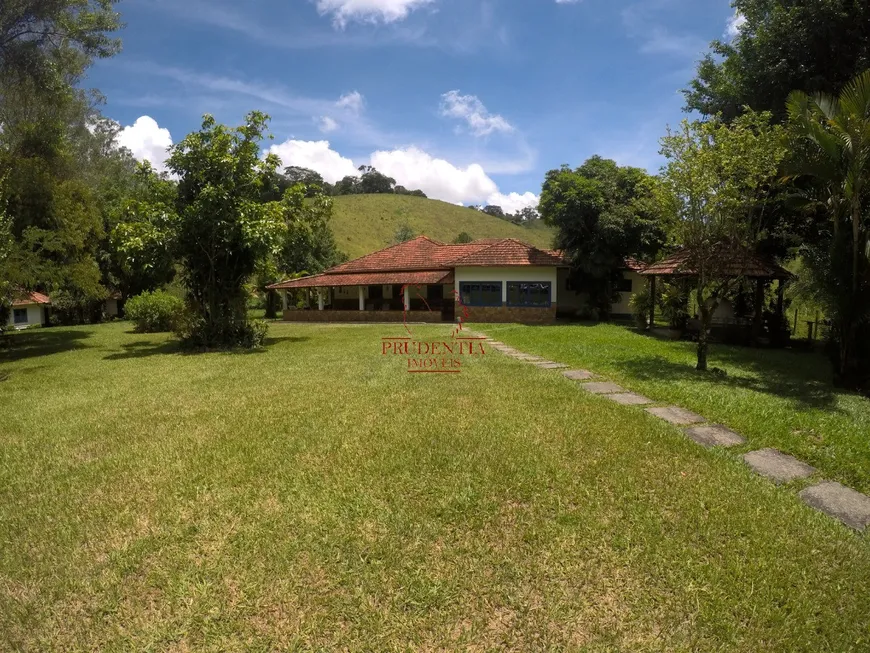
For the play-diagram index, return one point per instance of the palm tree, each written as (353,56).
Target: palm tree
(835,155)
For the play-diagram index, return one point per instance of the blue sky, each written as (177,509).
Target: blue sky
(470,100)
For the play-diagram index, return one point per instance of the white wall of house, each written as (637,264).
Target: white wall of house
(509,273)
(638,283)
(34,315)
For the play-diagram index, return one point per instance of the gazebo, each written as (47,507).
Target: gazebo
(735,265)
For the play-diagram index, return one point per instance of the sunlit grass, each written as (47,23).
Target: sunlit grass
(776,398)
(315,496)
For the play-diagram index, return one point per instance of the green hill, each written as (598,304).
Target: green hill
(366,223)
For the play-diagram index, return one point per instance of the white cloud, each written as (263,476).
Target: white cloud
(439,179)
(734,25)
(315,155)
(368,11)
(513,202)
(567,2)
(351,101)
(327,124)
(470,109)
(147,141)
(412,168)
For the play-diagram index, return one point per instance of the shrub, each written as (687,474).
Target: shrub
(192,329)
(640,305)
(153,312)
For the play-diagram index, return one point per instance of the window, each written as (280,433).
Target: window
(20,315)
(474,293)
(624,285)
(529,294)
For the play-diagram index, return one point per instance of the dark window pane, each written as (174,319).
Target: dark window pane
(474,293)
(20,315)
(529,294)
(624,285)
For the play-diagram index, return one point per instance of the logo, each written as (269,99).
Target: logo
(434,356)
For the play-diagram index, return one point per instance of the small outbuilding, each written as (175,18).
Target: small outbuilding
(29,309)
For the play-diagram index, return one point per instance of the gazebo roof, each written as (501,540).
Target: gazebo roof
(738,264)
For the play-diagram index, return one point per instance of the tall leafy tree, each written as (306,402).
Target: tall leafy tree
(603,214)
(782,46)
(833,152)
(142,231)
(224,227)
(717,177)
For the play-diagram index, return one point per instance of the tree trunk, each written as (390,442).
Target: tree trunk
(271,305)
(703,345)
(705,314)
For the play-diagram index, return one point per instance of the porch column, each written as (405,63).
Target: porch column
(284,300)
(407,297)
(362,298)
(652,302)
(320,299)
(758,318)
(780,298)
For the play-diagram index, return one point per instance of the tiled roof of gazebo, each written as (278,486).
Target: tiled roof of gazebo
(739,264)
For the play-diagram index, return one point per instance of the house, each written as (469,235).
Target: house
(422,280)
(29,309)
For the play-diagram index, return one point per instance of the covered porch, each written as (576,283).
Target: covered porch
(746,326)
(418,296)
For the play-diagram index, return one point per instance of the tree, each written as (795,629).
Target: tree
(403,234)
(463,238)
(603,214)
(142,229)
(37,35)
(308,244)
(224,228)
(833,152)
(782,46)
(717,177)
(528,214)
(348,185)
(373,182)
(297,175)
(494,210)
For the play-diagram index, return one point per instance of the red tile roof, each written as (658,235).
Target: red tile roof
(424,254)
(509,252)
(27,298)
(740,264)
(368,279)
(634,265)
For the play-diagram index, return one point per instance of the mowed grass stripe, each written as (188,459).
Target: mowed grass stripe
(316,496)
(780,399)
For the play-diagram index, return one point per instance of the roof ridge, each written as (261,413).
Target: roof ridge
(380,251)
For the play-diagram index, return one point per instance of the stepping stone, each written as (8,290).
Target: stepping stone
(529,358)
(579,375)
(715,436)
(603,388)
(841,502)
(676,415)
(550,365)
(775,465)
(630,399)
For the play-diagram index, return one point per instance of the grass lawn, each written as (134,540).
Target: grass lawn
(775,398)
(315,496)
(366,223)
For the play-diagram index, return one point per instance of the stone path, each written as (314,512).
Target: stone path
(676,415)
(715,436)
(838,501)
(777,466)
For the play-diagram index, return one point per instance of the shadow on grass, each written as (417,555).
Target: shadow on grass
(40,342)
(767,377)
(145,348)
